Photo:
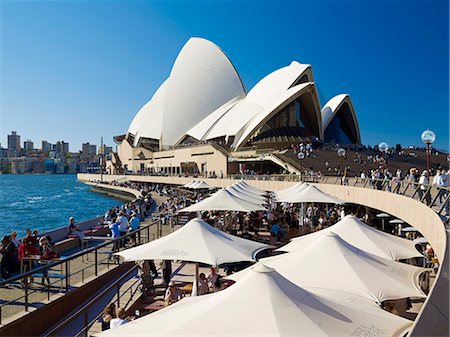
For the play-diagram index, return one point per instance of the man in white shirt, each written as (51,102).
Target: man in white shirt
(123,226)
(119,320)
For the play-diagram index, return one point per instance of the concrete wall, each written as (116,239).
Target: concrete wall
(433,320)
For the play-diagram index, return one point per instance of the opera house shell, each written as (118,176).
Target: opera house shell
(203,99)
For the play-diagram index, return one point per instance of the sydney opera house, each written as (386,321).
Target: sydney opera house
(202,118)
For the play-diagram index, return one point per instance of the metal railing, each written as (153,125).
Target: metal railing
(84,311)
(102,256)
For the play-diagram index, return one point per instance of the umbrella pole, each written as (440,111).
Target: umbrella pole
(196,278)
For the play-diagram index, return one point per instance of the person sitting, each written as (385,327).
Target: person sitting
(203,287)
(119,320)
(74,229)
(109,313)
(173,294)
(214,279)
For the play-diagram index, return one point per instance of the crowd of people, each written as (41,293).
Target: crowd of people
(14,251)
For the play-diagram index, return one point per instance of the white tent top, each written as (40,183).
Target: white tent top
(294,189)
(409,229)
(251,188)
(383,215)
(362,236)
(264,303)
(244,189)
(201,185)
(310,194)
(191,183)
(247,197)
(420,241)
(223,200)
(396,221)
(196,241)
(333,263)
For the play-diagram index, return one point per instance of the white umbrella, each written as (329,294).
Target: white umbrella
(201,185)
(223,200)
(196,241)
(295,189)
(251,188)
(244,190)
(264,303)
(409,229)
(362,236)
(396,222)
(191,183)
(310,194)
(253,199)
(420,241)
(333,263)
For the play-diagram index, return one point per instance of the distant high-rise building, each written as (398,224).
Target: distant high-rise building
(46,146)
(89,149)
(62,147)
(28,145)
(14,141)
(105,150)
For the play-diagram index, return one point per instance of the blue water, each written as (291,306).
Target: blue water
(45,202)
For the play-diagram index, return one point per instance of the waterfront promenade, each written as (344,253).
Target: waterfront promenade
(405,204)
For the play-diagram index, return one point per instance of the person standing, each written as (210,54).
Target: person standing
(123,226)
(423,187)
(134,226)
(166,266)
(9,259)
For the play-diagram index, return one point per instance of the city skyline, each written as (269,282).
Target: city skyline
(84,82)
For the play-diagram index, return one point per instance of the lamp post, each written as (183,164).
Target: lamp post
(428,137)
(341,154)
(383,148)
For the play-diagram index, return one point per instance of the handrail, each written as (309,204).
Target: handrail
(74,315)
(145,229)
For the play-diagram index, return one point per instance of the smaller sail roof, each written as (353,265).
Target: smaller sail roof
(196,241)
(360,235)
(223,200)
(310,194)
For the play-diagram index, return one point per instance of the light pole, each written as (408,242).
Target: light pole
(341,154)
(383,148)
(428,137)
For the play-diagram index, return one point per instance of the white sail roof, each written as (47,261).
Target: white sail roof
(223,200)
(330,262)
(264,303)
(202,79)
(309,194)
(362,236)
(196,241)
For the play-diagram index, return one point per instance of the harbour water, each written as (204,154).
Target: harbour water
(46,202)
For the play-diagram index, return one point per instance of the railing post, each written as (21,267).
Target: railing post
(86,323)
(118,295)
(25,283)
(67,275)
(148,233)
(96,262)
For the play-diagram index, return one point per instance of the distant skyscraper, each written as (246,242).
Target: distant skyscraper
(89,149)
(14,141)
(28,145)
(106,150)
(46,146)
(62,147)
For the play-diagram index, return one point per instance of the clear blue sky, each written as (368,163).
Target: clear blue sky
(78,70)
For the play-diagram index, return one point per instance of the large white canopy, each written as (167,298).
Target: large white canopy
(332,263)
(362,236)
(310,194)
(196,241)
(264,303)
(223,200)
